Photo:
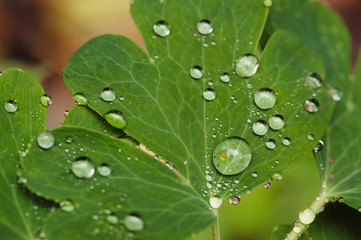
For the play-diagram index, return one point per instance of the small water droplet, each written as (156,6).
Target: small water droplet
(83,168)
(249,86)
(161,28)
(66,113)
(276,122)
(267,3)
(209,178)
(265,98)
(11,106)
(69,139)
(311,137)
(267,185)
(104,170)
(314,80)
(133,223)
(66,206)
(319,146)
(46,100)
(307,216)
(209,94)
(235,200)
(260,128)
(247,65)
(232,155)
(196,72)
(286,141)
(107,94)
(276,177)
(271,144)
(215,202)
(255,174)
(204,27)
(335,94)
(225,77)
(116,119)
(45,140)
(311,105)
(112,219)
(80,99)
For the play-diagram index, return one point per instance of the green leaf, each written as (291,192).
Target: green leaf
(319,27)
(163,105)
(138,185)
(21,118)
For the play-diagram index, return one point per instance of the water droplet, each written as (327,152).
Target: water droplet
(232,156)
(133,223)
(276,177)
(335,94)
(45,140)
(255,174)
(311,137)
(286,141)
(225,77)
(267,185)
(265,98)
(46,100)
(196,72)
(314,80)
(276,122)
(215,202)
(83,168)
(80,99)
(209,94)
(271,144)
(108,94)
(66,206)
(260,128)
(247,65)
(66,113)
(267,3)
(161,28)
(204,27)
(104,170)
(112,219)
(235,200)
(209,178)
(319,146)
(307,216)
(11,106)
(116,119)
(311,105)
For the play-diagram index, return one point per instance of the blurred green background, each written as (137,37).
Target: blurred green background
(39,36)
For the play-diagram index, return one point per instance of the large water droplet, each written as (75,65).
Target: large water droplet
(45,140)
(235,200)
(108,94)
(225,77)
(83,168)
(276,122)
(46,100)
(319,146)
(247,65)
(271,144)
(66,206)
(314,80)
(265,98)
(204,27)
(104,170)
(215,202)
(209,94)
(161,28)
(196,72)
(260,128)
(80,99)
(267,3)
(286,141)
(11,106)
(232,156)
(116,119)
(133,223)
(311,105)
(307,216)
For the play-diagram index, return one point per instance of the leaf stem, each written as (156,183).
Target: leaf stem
(215,228)
(306,219)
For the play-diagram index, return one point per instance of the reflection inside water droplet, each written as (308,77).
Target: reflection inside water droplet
(108,94)
(209,94)
(311,105)
(11,106)
(204,27)
(265,98)
(260,128)
(161,28)
(45,140)
(83,168)
(247,65)
(196,72)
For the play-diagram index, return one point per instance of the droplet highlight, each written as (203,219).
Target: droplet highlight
(247,65)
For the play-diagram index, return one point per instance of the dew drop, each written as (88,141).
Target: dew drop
(209,178)
(45,140)
(307,216)
(116,119)
(255,174)
(335,94)
(276,122)
(112,219)
(161,28)
(11,106)
(311,137)
(80,99)
(247,65)
(196,72)
(66,113)
(314,80)
(231,156)
(235,200)
(265,98)
(46,100)
(215,202)
(83,168)
(271,144)
(311,105)
(276,177)
(108,94)
(104,170)
(267,185)
(209,94)
(267,3)
(319,146)
(204,27)
(133,223)
(225,77)
(66,206)
(260,128)
(286,141)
